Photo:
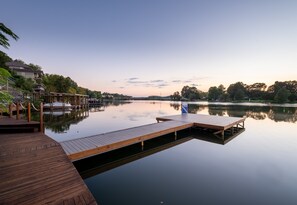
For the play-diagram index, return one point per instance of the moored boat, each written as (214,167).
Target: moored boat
(57,106)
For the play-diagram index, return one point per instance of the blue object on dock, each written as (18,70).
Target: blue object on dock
(184,108)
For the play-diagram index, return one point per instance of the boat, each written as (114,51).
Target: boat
(58,106)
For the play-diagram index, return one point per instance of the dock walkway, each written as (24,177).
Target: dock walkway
(77,149)
(88,146)
(218,123)
(34,169)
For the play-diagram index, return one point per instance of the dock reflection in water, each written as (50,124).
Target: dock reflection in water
(95,165)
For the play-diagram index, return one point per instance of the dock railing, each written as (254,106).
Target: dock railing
(28,107)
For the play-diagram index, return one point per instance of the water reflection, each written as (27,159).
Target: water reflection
(61,121)
(277,114)
(95,165)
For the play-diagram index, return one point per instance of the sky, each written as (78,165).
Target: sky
(155,47)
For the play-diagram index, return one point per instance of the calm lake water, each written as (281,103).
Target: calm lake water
(258,166)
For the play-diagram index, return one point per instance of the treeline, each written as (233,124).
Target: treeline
(51,83)
(280,92)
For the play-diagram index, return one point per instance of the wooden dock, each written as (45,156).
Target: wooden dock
(77,149)
(219,124)
(88,146)
(8,124)
(34,169)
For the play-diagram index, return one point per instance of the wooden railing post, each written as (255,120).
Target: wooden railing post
(29,112)
(18,111)
(41,117)
(10,110)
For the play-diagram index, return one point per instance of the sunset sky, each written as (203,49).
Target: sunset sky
(155,47)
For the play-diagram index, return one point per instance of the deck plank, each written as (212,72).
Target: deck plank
(34,169)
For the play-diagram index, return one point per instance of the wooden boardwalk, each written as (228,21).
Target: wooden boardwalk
(34,169)
(88,146)
(218,123)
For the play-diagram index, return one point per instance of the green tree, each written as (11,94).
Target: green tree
(176,96)
(256,91)
(282,95)
(58,83)
(4,31)
(237,91)
(25,84)
(4,58)
(190,93)
(216,93)
(5,97)
(35,67)
(291,86)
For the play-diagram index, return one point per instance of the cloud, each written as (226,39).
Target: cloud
(190,80)
(157,81)
(114,81)
(129,79)
(136,82)
(162,85)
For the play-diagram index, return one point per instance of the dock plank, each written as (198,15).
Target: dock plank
(101,143)
(34,169)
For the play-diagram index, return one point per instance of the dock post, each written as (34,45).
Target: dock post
(29,112)
(41,117)
(18,111)
(175,135)
(10,110)
(223,134)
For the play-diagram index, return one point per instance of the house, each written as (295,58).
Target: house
(20,68)
(24,70)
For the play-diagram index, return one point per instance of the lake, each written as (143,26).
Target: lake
(258,166)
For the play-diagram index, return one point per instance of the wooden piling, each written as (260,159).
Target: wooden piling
(29,112)
(18,111)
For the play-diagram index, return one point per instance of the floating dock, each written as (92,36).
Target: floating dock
(34,169)
(88,146)
(77,149)
(219,124)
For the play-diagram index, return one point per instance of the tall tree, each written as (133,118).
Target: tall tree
(176,96)
(256,91)
(190,93)
(4,31)
(216,93)
(237,91)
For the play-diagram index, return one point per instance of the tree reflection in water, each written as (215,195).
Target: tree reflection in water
(60,121)
(277,114)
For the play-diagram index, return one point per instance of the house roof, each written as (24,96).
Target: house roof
(20,66)
(17,63)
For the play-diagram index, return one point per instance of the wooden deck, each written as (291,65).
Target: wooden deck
(88,146)
(218,123)
(34,169)
(7,124)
